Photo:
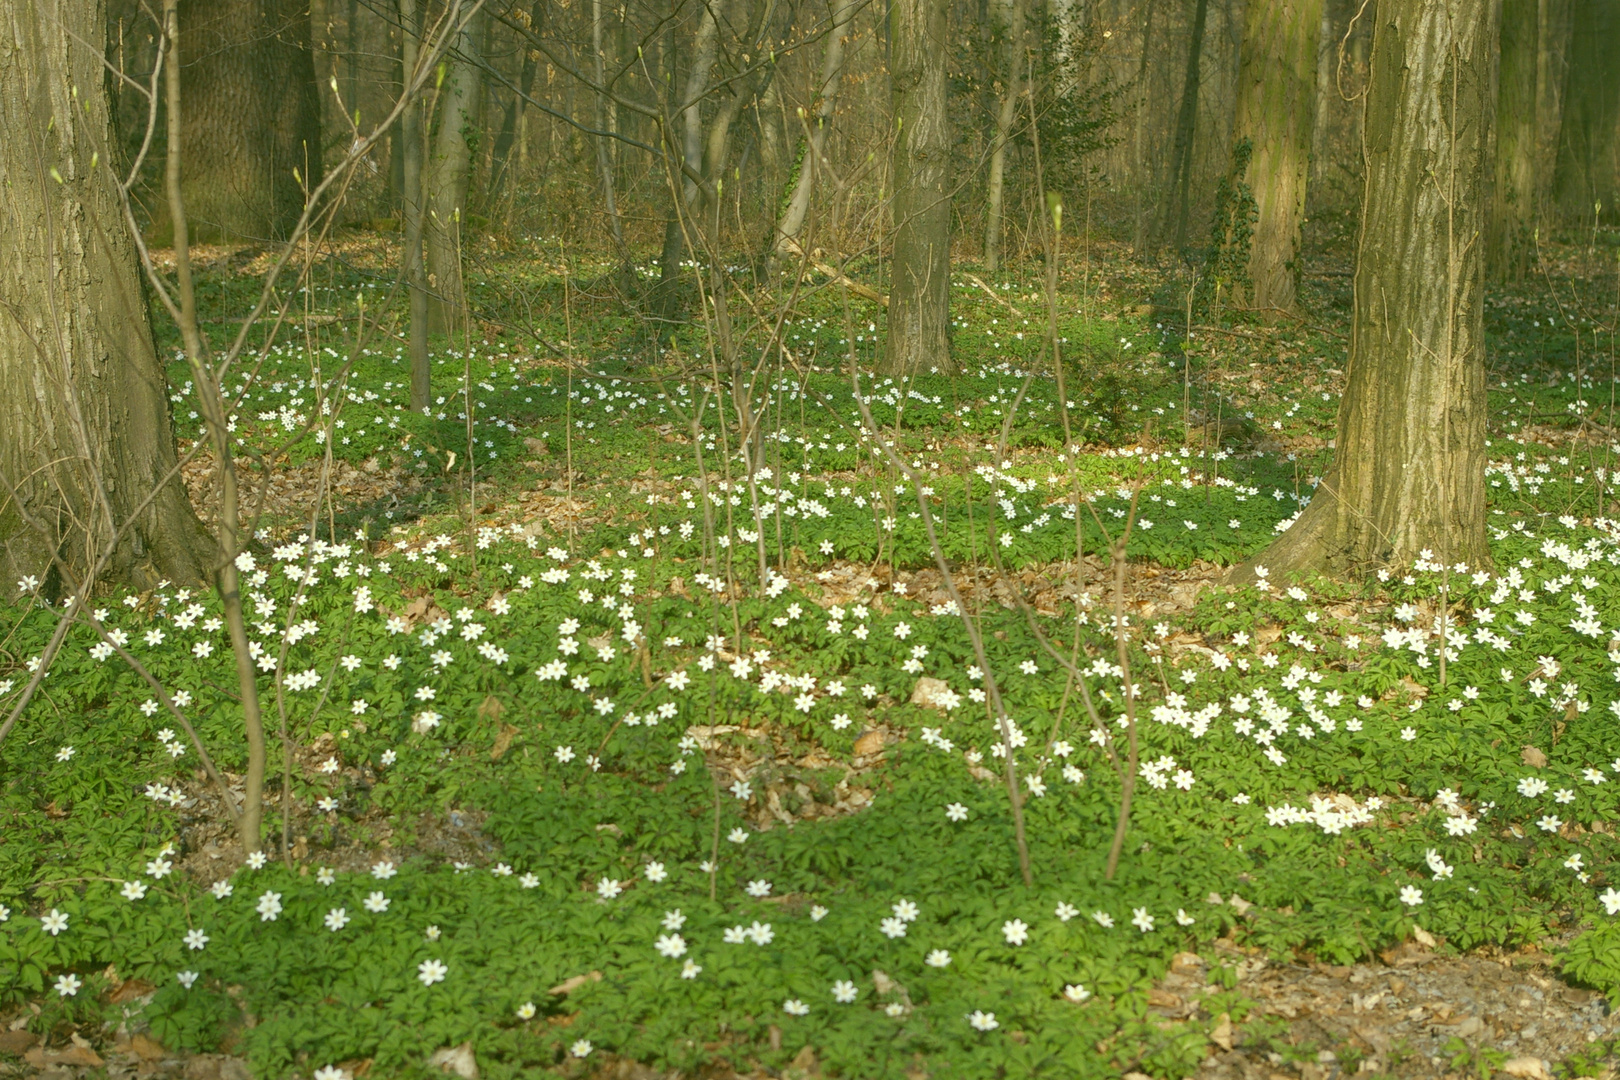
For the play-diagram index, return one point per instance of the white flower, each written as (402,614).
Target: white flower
(1076,992)
(337,919)
(221,889)
(376,902)
(1411,895)
(906,911)
(432,933)
(760,933)
(196,940)
(1184,919)
(690,970)
(382,871)
(844,991)
(581,1048)
(608,888)
(738,835)
(983,1021)
(54,922)
(432,971)
(1103,919)
(1611,900)
(1016,931)
(186,978)
(817,913)
(938,958)
(1066,911)
(330,1072)
(759,887)
(68,985)
(671,945)
(134,890)
(159,867)
(269,906)
(256,860)
(795,1007)
(64,753)
(893,928)
(893,1008)
(956,812)
(526,1011)
(1141,919)
(674,920)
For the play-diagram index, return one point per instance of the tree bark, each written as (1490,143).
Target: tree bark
(920,269)
(1276,112)
(1585,176)
(410,133)
(1010,17)
(1173,224)
(85,435)
(1409,474)
(448,172)
(512,119)
(604,152)
(252,123)
(832,72)
(1509,244)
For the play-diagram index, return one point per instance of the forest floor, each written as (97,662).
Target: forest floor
(607,762)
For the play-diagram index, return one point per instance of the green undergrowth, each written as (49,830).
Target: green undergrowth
(719,829)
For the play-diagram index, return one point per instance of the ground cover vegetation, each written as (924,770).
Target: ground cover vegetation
(609,644)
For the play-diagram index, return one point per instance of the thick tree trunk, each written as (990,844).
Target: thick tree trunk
(920,270)
(448,173)
(1409,474)
(1509,243)
(1173,223)
(1585,176)
(1276,112)
(1010,16)
(252,123)
(84,410)
(832,72)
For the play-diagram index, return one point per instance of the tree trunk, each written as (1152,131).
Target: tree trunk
(501,153)
(832,72)
(1010,16)
(1585,176)
(666,294)
(1409,474)
(1174,222)
(604,152)
(1509,243)
(410,133)
(1276,112)
(84,410)
(449,168)
(252,123)
(920,269)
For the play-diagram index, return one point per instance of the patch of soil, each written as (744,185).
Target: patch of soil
(1411,1015)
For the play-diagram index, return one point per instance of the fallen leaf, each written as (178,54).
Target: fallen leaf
(456,1059)
(1536,760)
(568,986)
(1221,1033)
(1527,1068)
(41,1058)
(146,1048)
(870,743)
(1423,937)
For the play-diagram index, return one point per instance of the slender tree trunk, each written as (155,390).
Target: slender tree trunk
(512,119)
(832,73)
(84,408)
(1140,229)
(920,270)
(410,126)
(448,173)
(1409,474)
(690,106)
(252,125)
(1010,17)
(604,153)
(1276,112)
(1585,176)
(1174,222)
(1509,243)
